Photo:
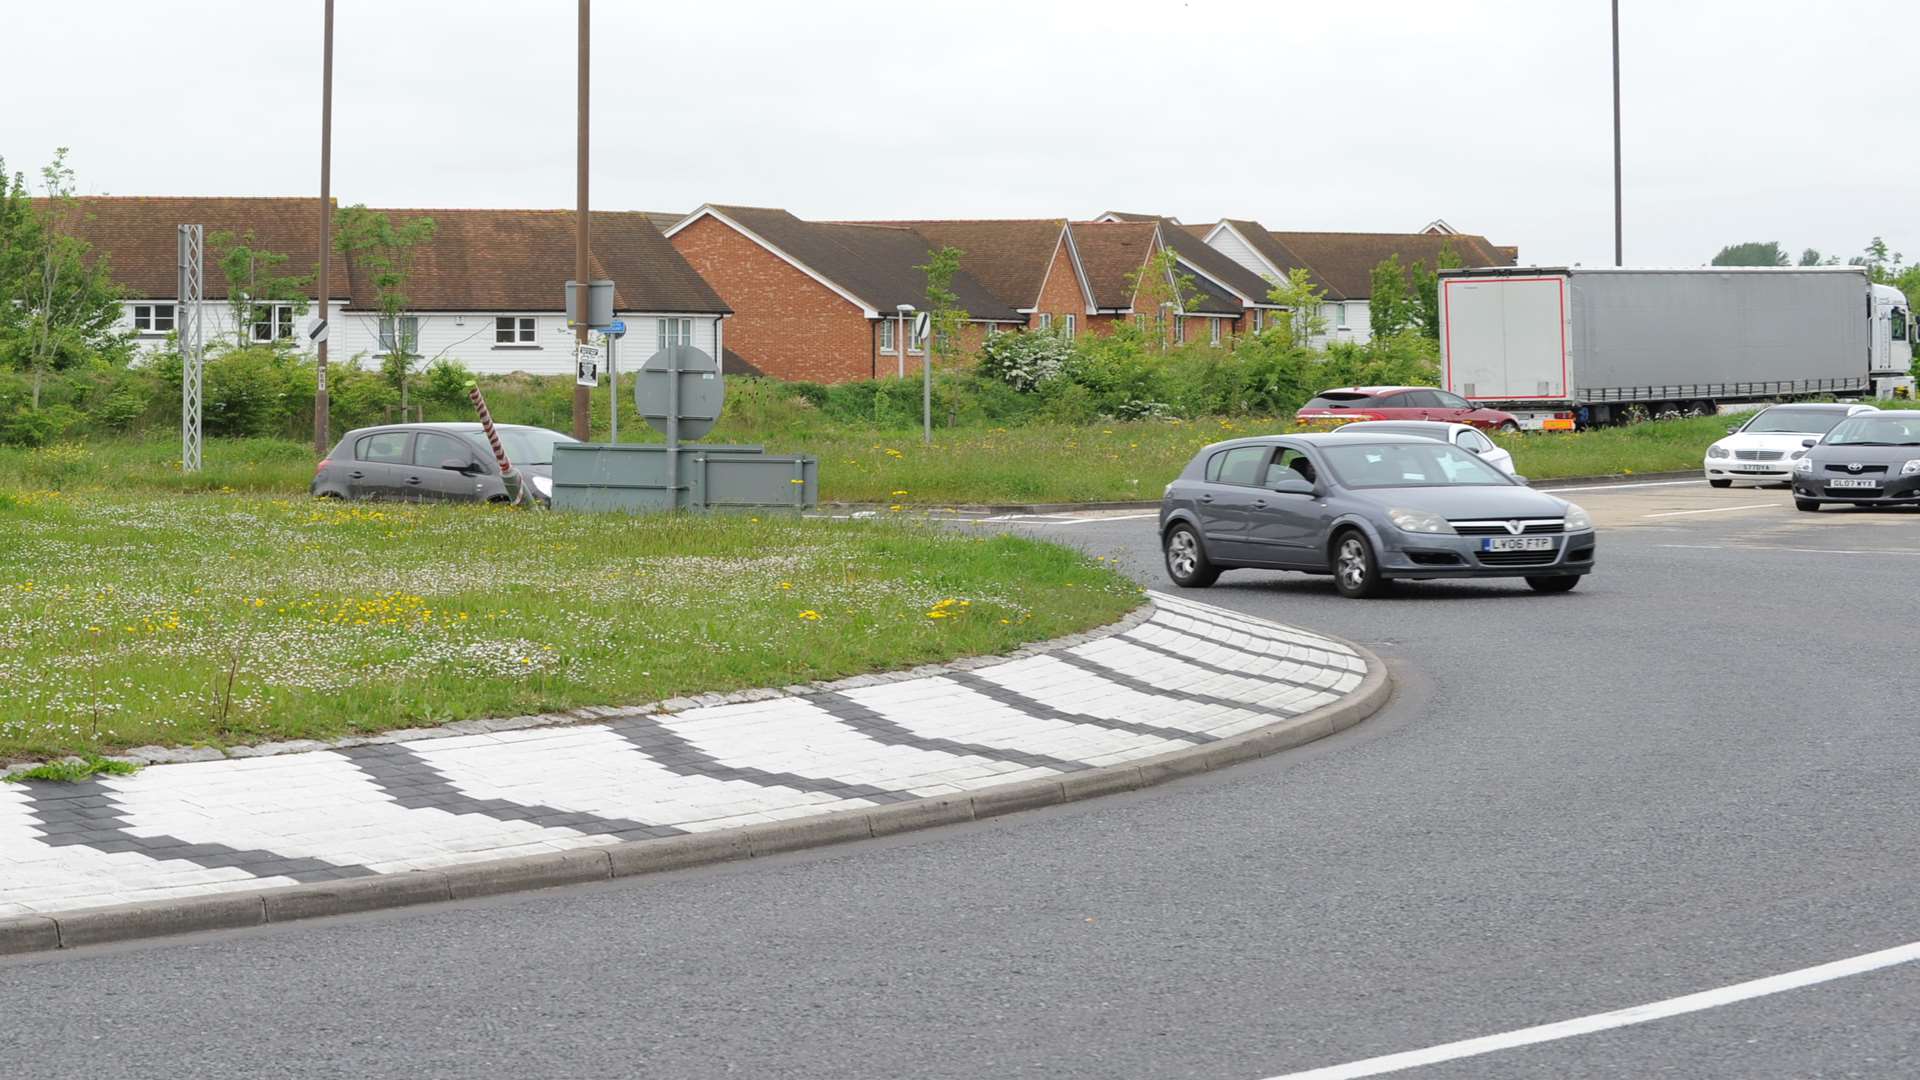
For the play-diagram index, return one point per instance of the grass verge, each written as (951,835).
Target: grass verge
(131,619)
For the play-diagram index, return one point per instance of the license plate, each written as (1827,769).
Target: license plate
(1517,543)
(1556,425)
(1843,482)
(1756,468)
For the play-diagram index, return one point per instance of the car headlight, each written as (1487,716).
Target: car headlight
(1718,451)
(1418,521)
(544,486)
(1803,467)
(1578,520)
(1911,468)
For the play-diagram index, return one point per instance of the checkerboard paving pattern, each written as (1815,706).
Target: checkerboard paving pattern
(1188,675)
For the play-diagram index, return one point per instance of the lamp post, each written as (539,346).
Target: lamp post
(900,336)
(320,397)
(582,260)
(1166,323)
(1618,244)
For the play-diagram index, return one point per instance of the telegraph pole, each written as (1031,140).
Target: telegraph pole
(325,287)
(582,268)
(1618,244)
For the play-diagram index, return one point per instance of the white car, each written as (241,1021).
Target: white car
(1765,447)
(1465,436)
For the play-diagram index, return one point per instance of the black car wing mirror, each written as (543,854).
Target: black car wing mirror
(1809,442)
(1293,485)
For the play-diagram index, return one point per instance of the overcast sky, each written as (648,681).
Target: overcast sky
(1745,119)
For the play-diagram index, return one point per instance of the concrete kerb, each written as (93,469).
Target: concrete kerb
(236,910)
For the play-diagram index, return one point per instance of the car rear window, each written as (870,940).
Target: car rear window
(1334,400)
(432,450)
(1240,465)
(387,446)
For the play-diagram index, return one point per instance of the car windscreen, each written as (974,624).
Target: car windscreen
(1337,401)
(1412,463)
(1793,422)
(524,446)
(1876,431)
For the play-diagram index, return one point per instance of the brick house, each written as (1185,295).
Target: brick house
(819,300)
(1340,264)
(486,291)
(1100,277)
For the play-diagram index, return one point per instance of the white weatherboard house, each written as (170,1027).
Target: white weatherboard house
(486,291)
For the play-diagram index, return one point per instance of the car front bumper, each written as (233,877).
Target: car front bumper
(1760,472)
(1894,490)
(1422,555)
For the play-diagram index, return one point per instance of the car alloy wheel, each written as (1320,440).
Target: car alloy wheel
(1354,571)
(1187,562)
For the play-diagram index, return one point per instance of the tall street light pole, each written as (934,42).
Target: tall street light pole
(1618,244)
(325,288)
(582,271)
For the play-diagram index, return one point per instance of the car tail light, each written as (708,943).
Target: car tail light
(321,467)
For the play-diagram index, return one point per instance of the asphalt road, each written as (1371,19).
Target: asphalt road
(1695,770)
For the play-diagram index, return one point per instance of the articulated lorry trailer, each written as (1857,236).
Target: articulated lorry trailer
(1561,347)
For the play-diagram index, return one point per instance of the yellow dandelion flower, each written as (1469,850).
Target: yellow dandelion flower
(810,615)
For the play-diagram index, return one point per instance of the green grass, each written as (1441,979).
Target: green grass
(72,770)
(137,618)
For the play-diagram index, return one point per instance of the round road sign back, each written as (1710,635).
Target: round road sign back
(702,390)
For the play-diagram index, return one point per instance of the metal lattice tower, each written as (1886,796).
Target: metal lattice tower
(191,294)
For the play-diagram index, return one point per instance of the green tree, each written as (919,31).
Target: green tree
(1810,257)
(385,251)
(1426,289)
(256,285)
(1881,265)
(945,316)
(58,307)
(1753,253)
(1391,308)
(1159,285)
(1302,300)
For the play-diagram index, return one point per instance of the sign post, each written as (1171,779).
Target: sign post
(615,331)
(923,329)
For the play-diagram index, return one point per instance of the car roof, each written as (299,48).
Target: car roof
(1327,438)
(1371,389)
(1435,426)
(447,425)
(1822,406)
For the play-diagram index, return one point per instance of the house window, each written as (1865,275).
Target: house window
(675,332)
(1046,321)
(272,322)
(1070,328)
(1179,330)
(515,330)
(992,329)
(409,335)
(886,335)
(1140,320)
(917,338)
(1339,313)
(1214,332)
(153,318)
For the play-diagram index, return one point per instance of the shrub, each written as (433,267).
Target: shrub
(1025,360)
(245,394)
(445,383)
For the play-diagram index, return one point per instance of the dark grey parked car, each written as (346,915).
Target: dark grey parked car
(1366,509)
(1872,459)
(435,463)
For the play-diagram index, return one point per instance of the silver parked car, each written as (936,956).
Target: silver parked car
(1465,436)
(1871,459)
(1367,509)
(435,463)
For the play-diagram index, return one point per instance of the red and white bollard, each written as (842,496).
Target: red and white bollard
(515,489)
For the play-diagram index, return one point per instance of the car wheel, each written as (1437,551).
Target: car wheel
(326,495)
(1720,483)
(1187,561)
(1356,572)
(1809,505)
(1508,427)
(1553,584)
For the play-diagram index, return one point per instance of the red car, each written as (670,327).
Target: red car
(1403,403)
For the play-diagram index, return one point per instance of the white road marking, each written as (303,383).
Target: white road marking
(1637,1014)
(1617,487)
(1097,520)
(1716,510)
(1799,550)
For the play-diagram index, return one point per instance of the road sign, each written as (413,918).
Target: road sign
(920,322)
(616,328)
(701,390)
(586,362)
(317,329)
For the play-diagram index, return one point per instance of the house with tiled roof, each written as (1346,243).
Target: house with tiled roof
(1340,264)
(486,291)
(821,300)
(1100,277)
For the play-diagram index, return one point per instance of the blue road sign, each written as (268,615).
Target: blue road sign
(616,328)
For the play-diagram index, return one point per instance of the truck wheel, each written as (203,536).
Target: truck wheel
(1720,483)
(1809,505)
(1187,561)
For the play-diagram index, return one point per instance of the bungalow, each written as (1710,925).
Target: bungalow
(1340,264)
(821,300)
(487,291)
(1104,270)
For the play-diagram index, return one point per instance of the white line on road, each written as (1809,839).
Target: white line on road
(1617,487)
(1798,550)
(1638,1014)
(1715,510)
(1097,520)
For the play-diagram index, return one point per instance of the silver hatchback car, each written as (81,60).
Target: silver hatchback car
(1367,509)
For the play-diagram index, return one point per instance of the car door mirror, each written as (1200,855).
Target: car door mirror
(459,465)
(1809,442)
(1734,430)
(1521,480)
(1293,485)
